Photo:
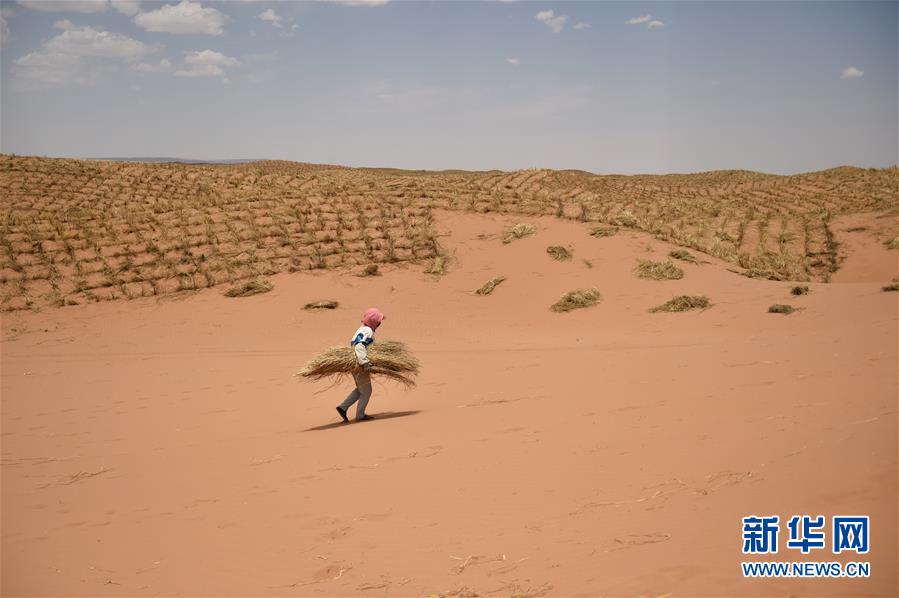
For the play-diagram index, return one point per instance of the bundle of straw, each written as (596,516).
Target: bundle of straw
(253,287)
(519,231)
(390,359)
(576,299)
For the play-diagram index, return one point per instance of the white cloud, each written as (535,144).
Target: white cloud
(583,26)
(514,61)
(650,22)
(127,7)
(164,66)
(270,16)
(358,2)
(344,2)
(184,18)
(207,63)
(551,20)
(78,55)
(852,73)
(95,43)
(5,14)
(638,20)
(84,6)
(41,70)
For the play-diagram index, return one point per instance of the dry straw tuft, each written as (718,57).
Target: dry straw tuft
(559,253)
(800,290)
(893,243)
(326,304)
(603,231)
(893,286)
(576,299)
(658,270)
(370,270)
(683,303)
(517,591)
(518,231)
(683,255)
(390,359)
(438,266)
(488,286)
(780,308)
(254,287)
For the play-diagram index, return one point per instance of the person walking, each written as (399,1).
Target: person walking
(365,336)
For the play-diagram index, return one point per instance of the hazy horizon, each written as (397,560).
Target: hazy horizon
(604,87)
(182,160)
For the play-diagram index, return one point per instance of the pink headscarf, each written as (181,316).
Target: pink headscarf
(373,317)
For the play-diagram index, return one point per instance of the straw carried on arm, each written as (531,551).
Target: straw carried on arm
(390,359)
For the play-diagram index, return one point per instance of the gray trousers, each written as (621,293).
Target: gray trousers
(361,393)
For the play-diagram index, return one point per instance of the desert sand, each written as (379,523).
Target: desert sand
(163,446)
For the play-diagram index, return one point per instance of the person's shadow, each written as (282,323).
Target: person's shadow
(377,418)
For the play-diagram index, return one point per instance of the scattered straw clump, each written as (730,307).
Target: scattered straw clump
(893,243)
(519,231)
(683,303)
(559,253)
(326,304)
(370,270)
(779,308)
(603,231)
(658,270)
(390,359)
(488,286)
(438,266)
(253,287)
(893,286)
(800,290)
(576,299)
(683,255)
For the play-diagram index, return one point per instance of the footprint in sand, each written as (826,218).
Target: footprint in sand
(372,516)
(373,586)
(329,573)
(428,451)
(719,480)
(336,534)
(641,539)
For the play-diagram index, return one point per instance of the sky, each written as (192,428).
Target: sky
(608,87)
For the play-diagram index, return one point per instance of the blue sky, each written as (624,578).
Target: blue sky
(609,87)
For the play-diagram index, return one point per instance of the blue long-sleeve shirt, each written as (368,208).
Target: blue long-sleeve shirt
(363,338)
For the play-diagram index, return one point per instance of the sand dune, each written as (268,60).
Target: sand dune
(77,231)
(163,446)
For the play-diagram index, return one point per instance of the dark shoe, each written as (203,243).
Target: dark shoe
(342,414)
(364,418)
